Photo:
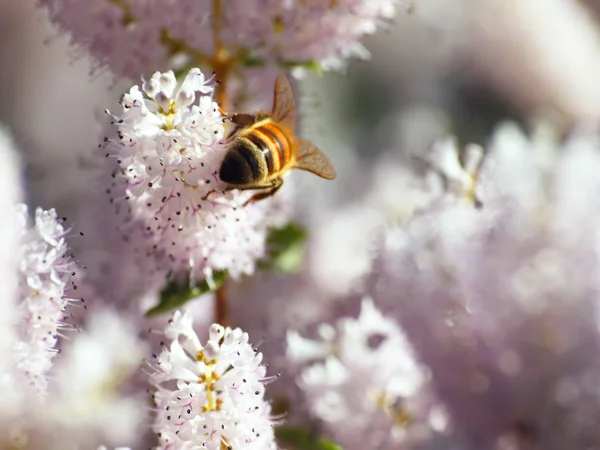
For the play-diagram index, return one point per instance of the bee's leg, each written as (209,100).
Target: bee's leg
(275,186)
(212,192)
(230,135)
(272,185)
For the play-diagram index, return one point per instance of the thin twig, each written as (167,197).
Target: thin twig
(220,62)
(221,306)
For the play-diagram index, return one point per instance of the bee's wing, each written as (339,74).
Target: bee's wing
(284,108)
(314,160)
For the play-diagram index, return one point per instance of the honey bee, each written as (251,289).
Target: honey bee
(264,148)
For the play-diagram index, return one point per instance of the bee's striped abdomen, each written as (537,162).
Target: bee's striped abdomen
(256,155)
(274,145)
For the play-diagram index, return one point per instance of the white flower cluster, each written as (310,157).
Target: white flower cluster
(167,147)
(85,404)
(211,396)
(362,381)
(46,271)
(50,398)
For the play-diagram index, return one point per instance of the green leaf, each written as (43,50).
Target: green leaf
(297,438)
(325,444)
(175,294)
(280,405)
(253,61)
(315,66)
(285,249)
(182,71)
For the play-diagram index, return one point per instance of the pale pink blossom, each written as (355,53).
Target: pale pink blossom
(501,302)
(10,228)
(46,285)
(135,37)
(361,379)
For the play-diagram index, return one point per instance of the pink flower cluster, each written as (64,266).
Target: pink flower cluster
(135,37)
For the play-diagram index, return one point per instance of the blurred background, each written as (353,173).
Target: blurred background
(442,67)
